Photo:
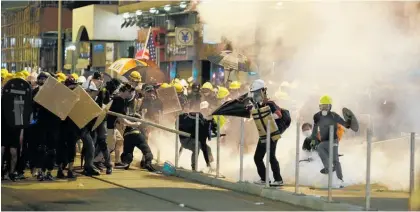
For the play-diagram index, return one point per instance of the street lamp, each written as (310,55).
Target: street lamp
(183,5)
(152,10)
(139,12)
(167,8)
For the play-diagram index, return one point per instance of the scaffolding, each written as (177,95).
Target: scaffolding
(20,31)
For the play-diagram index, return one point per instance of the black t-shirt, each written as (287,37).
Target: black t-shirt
(119,105)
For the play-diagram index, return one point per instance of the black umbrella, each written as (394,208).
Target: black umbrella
(236,107)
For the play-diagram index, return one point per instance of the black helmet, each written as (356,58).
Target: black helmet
(70,81)
(43,75)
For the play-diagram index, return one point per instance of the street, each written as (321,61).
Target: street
(129,190)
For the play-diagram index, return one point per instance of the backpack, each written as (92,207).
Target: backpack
(285,121)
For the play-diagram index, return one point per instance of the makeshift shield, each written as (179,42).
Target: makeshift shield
(170,100)
(56,97)
(350,117)
(101,116)
(16,103)
(85,109)
(236,107)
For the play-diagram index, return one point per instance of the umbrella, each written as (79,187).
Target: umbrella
(236,107)
(231,60)
(121,66)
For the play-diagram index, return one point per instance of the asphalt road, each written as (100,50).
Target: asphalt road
(129,190)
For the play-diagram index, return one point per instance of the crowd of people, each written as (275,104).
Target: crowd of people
(51,143)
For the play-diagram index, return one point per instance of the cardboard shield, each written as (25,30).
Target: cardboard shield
(85,109)
(169,100)
(16,103)
(350,117)
(101,116)
(56,97)
(261,117)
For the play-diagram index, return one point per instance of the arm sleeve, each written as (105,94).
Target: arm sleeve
(315,128)
(339,120)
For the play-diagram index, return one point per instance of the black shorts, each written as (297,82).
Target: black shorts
(10,137)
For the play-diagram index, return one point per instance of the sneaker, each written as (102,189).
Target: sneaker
(109,170)
(277,183)
(260,182)
(150,168)
(12,177)
(325,171)
(70,175)
(99,165)
(90,172)
(60,174)
(341,184)
(20,176)
(49,176)
(120,165)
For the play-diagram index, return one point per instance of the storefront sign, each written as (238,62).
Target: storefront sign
(184,36)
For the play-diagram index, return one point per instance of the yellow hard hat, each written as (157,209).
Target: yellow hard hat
(235,85)
(61,77)
(135,76)
(222,93)
(75,76)
(19,75)
(178,87)
(165,85)
(176,80)
(207,85)
(325,100)
(25,73)
(8,77)
(4,73)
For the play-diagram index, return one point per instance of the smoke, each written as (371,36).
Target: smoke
(344,49)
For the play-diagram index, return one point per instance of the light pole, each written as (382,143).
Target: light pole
(59,45)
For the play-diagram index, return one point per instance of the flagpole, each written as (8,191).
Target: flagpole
(147,41)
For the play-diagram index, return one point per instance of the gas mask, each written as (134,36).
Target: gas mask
(257,96)
(325,109)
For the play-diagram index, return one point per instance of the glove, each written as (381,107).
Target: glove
(313,144)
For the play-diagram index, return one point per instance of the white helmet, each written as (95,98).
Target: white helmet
(257,85)
(184,83)
(81,80)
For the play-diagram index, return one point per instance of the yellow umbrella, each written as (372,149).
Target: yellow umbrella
(122,66)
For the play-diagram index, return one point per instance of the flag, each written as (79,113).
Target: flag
(150,50)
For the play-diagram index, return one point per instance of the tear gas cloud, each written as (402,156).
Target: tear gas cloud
(343,49)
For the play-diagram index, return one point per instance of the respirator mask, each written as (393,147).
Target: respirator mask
(257,96)
(325,109)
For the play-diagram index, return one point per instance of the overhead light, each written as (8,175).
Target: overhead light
(152,10)
(126,15)
(167,8)
(139,12)
(279,4)
(183,5)
(157,12)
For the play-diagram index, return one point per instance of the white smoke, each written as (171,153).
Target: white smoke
(344,49)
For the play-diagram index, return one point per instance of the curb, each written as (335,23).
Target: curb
(311,202)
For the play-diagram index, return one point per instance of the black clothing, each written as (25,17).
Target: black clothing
(153,107)
(187,124)
(119,105)
(69,135)
(134,138)
(258,159)
(323,123)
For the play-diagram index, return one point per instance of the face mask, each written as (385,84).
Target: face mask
(307,133)
(324,112)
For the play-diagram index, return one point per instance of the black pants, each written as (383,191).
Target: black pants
(88,148)
(137,140)
(34,135)
(66,148)
(48,145)
(259,156)
(100,145)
